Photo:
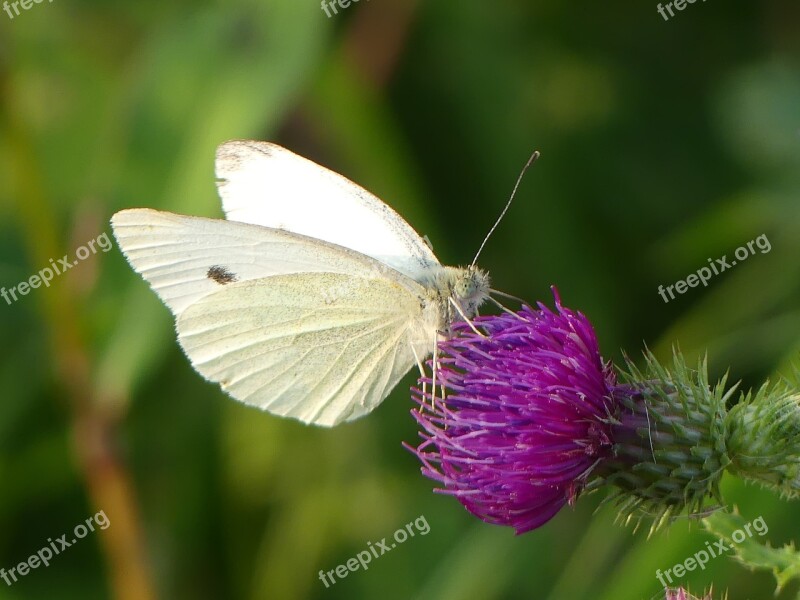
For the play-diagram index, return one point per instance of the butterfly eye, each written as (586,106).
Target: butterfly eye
(466,287)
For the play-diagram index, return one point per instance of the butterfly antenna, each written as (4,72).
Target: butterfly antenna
(504,295)
(531,160)
(503,308)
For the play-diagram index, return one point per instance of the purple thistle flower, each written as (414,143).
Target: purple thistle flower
(526,415)
(682,594)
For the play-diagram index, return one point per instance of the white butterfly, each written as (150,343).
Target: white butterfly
(312,300)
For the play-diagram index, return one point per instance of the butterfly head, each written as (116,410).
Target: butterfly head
(470,289)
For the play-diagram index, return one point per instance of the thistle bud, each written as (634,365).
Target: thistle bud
(764,438)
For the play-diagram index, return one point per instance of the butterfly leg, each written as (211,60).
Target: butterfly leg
(465,318)
(421,368)
(435,368)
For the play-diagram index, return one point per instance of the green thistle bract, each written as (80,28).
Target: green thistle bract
(669,441)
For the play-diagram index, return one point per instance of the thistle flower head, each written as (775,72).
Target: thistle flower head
(525,416)
(529,416)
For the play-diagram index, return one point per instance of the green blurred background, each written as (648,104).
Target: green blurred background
(663,144)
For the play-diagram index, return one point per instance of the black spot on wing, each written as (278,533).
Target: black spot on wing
(221,275)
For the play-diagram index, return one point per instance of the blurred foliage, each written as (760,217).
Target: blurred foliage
(663,144)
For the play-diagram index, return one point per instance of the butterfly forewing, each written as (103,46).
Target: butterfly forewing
(264,184)
(186,258)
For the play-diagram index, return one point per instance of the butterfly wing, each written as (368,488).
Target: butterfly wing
(264,184)
(294,325)
(319,347)
(185,258)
